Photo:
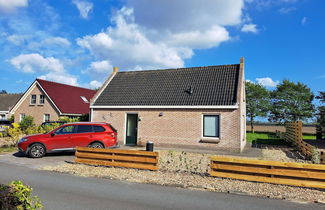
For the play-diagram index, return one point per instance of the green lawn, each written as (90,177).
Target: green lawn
(7,149)
(270,138)
(309,136)
(264,138)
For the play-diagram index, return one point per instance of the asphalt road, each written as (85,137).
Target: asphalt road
(63,191)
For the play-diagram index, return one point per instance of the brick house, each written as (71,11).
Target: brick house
(47,101)
(200,107)
(7,101)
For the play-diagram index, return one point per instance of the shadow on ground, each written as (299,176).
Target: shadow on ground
(52,154)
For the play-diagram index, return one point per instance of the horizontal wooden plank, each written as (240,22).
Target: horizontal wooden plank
(274,171)
(117,151)
(293,182)
(117,164)
(116,157)
(267,163)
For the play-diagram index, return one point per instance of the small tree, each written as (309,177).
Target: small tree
(321,116)
(257,102)
(27,122)
(291,102)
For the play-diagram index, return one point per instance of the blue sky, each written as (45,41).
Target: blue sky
(78,42)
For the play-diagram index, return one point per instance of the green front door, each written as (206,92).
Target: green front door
(131,129)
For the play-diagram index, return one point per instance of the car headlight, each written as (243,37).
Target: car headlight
(22,140)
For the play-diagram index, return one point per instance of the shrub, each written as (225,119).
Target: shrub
(27,122)
(15,132)
(315,157)
(16,195)
(68,119)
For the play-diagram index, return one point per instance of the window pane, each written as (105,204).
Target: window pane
(46,117)
(65,130)
(98,128)
(41,99)
(211,126)
(33,99)
(84,129)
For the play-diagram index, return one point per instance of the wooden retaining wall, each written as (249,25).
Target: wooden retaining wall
(295,174)
(118,158)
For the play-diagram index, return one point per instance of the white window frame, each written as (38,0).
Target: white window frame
(40,101)
(21,116)
(202,125)
(44,117)
(31,99)
(3,116)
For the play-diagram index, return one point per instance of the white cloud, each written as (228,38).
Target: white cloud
(267,82)
(101,67)
(303,20)
(36,63)
(286,10)
(95,84)
(249,28)
(161,37)
(12,5)
(84,7)
(56,41)
(30,63)
(18,39)
(61,78)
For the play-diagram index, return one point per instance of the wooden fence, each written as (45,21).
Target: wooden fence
(294,135)
(117,158)
(295,174)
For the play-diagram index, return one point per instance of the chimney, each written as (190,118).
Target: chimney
(242,60)
(115,69)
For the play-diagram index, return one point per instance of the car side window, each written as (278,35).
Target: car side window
(66,130)
(84,129)
(98,128)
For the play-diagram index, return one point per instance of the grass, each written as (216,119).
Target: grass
(271,138)
(309,136)
(7,149)
(264,138)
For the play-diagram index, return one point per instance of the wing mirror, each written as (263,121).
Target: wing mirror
(52,134)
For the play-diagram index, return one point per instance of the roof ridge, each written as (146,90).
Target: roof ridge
(64,84)
(183,68)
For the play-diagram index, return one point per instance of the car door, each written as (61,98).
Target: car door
(62,138)
(83,136)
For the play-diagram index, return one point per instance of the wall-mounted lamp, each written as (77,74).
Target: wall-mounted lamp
(161,114)
(139,118)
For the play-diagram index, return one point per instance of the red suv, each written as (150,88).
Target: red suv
(69,136)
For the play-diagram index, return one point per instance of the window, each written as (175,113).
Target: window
(66,130)
(84,99)
(33,99)
(41,99)
(46,118)
(21,117)
(211,126)
(98,128)
(85,129)
(2,117)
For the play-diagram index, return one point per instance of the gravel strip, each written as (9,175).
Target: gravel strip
(190,170)
(188,180)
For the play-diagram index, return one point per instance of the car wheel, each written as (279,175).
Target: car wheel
(96,145)
(36,151)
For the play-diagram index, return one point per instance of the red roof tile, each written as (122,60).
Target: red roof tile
(66,97)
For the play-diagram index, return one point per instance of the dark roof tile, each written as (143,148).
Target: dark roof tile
(211,85)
